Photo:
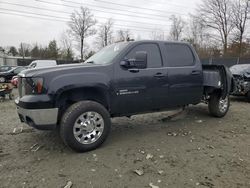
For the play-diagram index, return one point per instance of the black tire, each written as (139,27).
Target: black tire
(69,119)
(214,105)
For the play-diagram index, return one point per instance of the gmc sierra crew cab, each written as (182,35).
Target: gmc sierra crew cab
(122,79)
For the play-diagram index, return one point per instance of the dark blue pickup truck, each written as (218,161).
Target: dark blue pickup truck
(122,79)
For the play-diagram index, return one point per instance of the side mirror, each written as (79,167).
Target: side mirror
(125,63)
(140,61)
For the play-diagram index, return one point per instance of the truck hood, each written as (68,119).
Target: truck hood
(60,69)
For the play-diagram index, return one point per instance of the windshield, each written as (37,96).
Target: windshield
(107,54)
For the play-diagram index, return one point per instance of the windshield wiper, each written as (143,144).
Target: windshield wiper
(91,62)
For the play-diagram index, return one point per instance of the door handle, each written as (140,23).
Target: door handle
(134,70)
(159,75)
(196,72)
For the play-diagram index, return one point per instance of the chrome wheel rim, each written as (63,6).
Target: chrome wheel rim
(223,105)
(88,127)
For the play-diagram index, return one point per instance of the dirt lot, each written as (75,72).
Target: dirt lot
(192,150)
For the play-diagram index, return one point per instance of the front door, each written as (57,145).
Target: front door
(136,89)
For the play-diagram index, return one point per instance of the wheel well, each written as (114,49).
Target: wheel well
(72,96)
(233,85)
(211,90)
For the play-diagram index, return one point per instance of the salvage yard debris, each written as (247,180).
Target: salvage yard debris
(153,186)
(160,172)
(199,121)
(36,147)
(139,172)
(19,130)
(149,156)
(174,115)
(68,185)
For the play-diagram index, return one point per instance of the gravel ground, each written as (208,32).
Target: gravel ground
(191,150)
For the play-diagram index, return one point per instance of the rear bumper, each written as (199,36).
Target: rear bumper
(42,119)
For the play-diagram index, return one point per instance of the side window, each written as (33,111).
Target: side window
(179,55)
(153,53)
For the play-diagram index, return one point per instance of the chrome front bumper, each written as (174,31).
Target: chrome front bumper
(44,119)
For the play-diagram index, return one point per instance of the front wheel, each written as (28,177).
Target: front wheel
(85,126)
(218,107)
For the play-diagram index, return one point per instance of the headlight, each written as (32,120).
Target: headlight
(34,85)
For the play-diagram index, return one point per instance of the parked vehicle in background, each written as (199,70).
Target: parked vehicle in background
(42,64)
(34,65)
(122,79)
(6,68)
(241,74)
(7,76)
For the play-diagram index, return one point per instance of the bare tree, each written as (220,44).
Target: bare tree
(66,43)
(196,31)
(157,34)
(81,26)
(177,27)
(123,35)
(24,50)
(217,15)
(240,16)
(105,34)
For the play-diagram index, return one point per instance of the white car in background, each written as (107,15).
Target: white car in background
(42,64)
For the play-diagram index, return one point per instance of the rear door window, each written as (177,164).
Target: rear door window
(179,55)
(153,54)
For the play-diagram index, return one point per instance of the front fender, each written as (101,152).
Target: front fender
(65,82)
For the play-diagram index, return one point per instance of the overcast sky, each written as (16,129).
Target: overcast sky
(17,26)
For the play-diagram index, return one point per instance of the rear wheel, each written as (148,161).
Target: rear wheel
(218,107)
(85,126)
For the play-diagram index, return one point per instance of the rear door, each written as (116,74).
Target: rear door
(184,74)
(136,89)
